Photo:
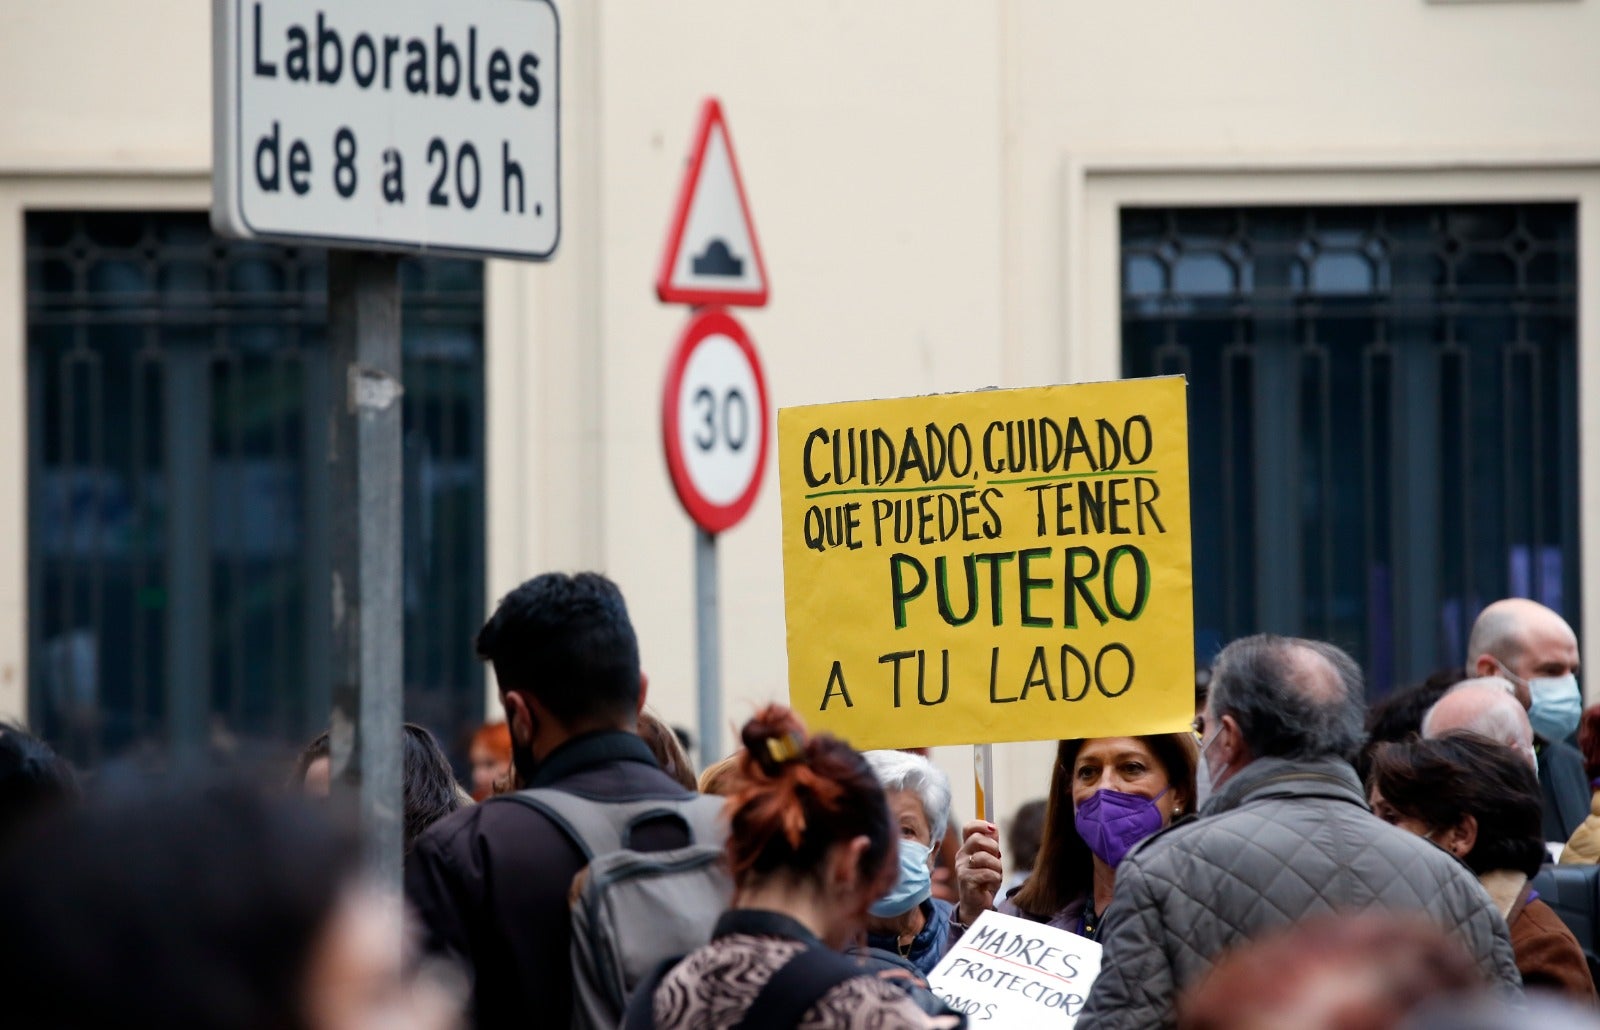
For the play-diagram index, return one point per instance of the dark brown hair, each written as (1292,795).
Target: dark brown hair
(793,798)
(1439,782)
(429,788)
(1063,871)
(1399,716)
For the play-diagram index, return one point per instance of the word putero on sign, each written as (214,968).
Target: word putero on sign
(992,566)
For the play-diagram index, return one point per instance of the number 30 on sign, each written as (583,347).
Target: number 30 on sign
(714,420)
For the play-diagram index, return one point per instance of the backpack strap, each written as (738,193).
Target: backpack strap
(797,985)
(640,1013)
(599,826)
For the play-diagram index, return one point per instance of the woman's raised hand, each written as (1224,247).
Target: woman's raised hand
(979,871)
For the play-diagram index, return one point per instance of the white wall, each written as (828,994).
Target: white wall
(874,181)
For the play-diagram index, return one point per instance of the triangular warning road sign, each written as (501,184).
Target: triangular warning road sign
(712,256)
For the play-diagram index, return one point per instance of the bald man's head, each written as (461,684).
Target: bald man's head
(1484,706)
(1495,632)
(1524,639)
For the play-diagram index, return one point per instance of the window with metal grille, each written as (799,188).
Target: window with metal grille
(178,486)
(1383,415)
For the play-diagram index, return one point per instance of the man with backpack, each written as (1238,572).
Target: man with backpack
(492,883)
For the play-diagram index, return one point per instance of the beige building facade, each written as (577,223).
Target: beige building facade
(939,190)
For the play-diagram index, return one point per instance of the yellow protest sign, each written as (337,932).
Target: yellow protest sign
(983,567)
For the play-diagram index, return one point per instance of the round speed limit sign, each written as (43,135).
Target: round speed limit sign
(714,420)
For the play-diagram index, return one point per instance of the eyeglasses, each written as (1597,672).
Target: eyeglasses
(1199,726)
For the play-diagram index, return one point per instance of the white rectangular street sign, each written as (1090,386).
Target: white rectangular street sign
(393,124)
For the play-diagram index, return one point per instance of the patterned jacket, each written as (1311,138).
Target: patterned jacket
(1282,840)
(713,986)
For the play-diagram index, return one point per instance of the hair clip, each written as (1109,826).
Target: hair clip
(785,749)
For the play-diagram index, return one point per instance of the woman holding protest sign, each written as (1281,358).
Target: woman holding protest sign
(908,921)
(811,848)
(1106,795)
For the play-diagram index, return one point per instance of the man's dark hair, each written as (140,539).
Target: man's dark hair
(33,778)
(567,641)
(1399,716)
(171,905)
(1440,781)
(1292,698)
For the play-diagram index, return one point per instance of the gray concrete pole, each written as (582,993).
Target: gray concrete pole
(364,443)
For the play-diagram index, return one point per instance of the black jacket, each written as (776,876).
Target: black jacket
(1565,788)
(490,882)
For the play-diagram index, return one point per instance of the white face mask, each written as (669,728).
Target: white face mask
(1203,787)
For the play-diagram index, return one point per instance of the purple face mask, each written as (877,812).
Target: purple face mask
(1112,822)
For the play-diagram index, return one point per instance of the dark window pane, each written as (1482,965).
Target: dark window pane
(178,499)
(1423,360)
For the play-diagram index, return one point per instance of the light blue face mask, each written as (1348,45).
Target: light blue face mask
(1557,706)
(914,886)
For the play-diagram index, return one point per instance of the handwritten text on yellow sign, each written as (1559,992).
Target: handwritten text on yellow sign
(991,566)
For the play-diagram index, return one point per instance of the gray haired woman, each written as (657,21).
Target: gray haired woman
(908,921)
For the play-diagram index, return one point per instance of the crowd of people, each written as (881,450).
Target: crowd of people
(1293,859)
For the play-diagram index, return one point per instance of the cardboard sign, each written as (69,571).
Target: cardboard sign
(1007,971)
(994,566)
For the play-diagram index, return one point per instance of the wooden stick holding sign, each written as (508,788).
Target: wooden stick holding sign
(983,782)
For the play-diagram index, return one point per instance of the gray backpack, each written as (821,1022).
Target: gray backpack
(633,909)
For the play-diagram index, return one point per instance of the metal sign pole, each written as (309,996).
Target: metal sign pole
(708,645)
(364,443)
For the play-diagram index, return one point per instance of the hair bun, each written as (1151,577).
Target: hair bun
(775,738)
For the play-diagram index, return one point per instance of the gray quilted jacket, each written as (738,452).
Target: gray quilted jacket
(1280,841)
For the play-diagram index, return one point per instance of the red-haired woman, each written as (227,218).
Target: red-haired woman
(1106,795)
(490,753)
(810,847)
